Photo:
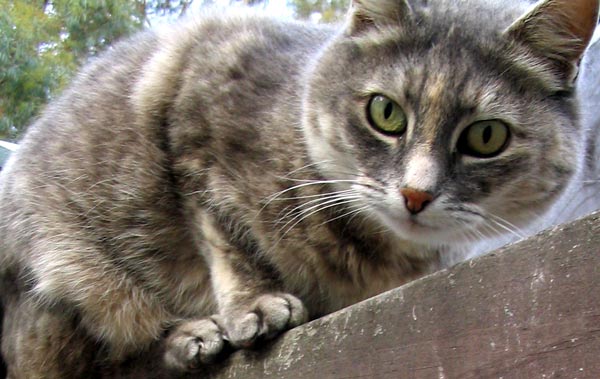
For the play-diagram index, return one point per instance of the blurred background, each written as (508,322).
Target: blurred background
(42,43)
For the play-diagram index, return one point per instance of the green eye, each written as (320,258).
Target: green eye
(484,139)
(386,116)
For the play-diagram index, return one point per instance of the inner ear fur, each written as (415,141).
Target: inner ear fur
(377,14)
(557,29)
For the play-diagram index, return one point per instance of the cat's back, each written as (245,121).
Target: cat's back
(100,157)
(116,92)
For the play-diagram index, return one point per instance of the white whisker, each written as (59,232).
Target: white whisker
(314,196)
(353,212)
(320,199)
(317,208)
(277,195)
(311,183)
(309,165)
(506,225)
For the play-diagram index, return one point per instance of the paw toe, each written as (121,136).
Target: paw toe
(298,313)
(243,332)
(193,343)
(267,317)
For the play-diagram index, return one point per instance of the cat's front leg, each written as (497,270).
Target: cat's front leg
(252,306)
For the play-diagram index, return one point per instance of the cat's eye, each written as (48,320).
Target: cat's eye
(484,139)
(386,116)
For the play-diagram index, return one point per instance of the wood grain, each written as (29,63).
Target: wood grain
(530,310)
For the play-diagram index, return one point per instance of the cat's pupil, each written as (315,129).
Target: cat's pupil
(487,134)
(387,112)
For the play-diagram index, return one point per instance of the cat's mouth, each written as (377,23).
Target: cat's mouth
(414,226)
(421,228)
(410,227)
(413,223)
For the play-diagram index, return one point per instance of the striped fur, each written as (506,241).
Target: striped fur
(217,182)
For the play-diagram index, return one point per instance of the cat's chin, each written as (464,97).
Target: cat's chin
(414,230)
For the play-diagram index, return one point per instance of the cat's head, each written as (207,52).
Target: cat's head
(450,120)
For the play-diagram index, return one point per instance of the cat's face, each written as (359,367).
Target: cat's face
(444,132)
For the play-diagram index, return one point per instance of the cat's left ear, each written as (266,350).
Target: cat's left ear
(377,14)
(559,30)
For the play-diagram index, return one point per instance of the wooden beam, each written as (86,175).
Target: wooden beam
(530,310)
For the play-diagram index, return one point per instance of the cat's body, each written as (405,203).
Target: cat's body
(230,168)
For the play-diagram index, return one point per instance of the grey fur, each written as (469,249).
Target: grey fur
(218,181)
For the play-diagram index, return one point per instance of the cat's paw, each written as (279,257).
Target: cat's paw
(193,343)
(198,342)
(267,316)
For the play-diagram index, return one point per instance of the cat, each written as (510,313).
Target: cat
(582,195)
(211,184)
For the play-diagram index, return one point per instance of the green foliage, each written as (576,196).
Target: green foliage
(29,63)
(323,10)
(89,25)
(42,42)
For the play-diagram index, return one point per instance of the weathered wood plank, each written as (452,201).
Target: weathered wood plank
(530,310)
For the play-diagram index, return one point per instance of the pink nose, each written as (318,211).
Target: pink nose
(415,200)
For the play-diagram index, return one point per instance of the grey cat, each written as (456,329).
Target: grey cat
(213,184)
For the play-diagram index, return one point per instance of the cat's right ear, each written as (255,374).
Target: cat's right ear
(377,14)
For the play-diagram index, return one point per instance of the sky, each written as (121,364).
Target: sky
(277,8)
